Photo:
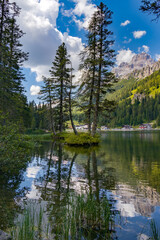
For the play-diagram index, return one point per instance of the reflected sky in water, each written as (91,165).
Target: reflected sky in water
(126,168)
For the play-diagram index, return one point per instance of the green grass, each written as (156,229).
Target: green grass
(82,217)
(38,137)
(82,139)
(85,217)
(30,226)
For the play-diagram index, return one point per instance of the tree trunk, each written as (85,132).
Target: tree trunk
(1,29)
(71,117)
(96,114)
(61,108)
(70,107)
(51,117)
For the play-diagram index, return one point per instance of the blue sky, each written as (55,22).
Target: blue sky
(47,23)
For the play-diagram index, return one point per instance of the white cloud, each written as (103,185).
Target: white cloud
(139,34)
(34,90)
(82,12)
(127,41)
(146,48)
(157,57)
(124,56)
(125,23)
(42,38)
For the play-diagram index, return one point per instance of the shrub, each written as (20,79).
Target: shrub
(81,139)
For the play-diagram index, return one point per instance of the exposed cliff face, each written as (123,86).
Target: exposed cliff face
(144,72)
(141,66)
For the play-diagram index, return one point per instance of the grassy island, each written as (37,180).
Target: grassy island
(81,139)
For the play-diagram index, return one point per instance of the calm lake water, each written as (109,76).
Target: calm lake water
(125,168)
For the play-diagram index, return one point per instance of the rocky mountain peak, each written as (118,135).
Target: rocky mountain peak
(138,62)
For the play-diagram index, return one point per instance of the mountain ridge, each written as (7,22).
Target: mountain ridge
(140,66)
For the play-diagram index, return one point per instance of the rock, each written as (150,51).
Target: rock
(4,236)
(141,66)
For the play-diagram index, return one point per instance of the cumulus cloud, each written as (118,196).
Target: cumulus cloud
(146,48)
(125,23)
(139,34)
(157,57)
(42,38)
(82,12)
(124,56)
(127,41)
(34,90)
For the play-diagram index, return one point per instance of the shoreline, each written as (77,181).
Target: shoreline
(131,130)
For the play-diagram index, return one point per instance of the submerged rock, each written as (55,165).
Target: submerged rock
(4,236)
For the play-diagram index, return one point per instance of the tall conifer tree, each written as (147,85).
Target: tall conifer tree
(12,57)
(96,66)
(48,96)
(105,79)
(60,75)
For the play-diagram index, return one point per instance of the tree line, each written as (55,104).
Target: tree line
(59,93)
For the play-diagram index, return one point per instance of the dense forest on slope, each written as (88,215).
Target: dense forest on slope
(138,101)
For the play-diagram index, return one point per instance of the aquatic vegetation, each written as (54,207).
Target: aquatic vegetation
(83,217)
(155,235)
(86,217)
(31,225)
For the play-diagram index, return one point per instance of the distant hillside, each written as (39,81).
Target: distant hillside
(138,101)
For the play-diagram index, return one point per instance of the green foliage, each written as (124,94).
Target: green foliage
(81,139)
(60,77)
(38,137)
(31,225)
(13,145)
(12,99)
(150,86)
(85,217)
(154,231)
(97,60)
(140,104)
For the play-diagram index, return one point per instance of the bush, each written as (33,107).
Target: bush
(81,139)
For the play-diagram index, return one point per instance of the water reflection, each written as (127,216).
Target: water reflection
(125,169)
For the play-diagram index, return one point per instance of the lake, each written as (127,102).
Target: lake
(125,168)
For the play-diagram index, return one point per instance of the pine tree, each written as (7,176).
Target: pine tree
(88,66)
(12,57)
(47,94)
(152,7)
(60,75)
(71,87)
(98,80)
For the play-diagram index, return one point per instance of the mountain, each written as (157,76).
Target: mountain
(141,66)
(138,102)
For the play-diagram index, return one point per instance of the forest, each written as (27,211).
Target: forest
(58,95)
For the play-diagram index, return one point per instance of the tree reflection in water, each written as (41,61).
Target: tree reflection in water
(75,195)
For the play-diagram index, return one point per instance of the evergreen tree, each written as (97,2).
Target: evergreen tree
(60,75)
(71,87)
(12,99)
(89,66)
(47,94)
(98,80)
(152,7)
